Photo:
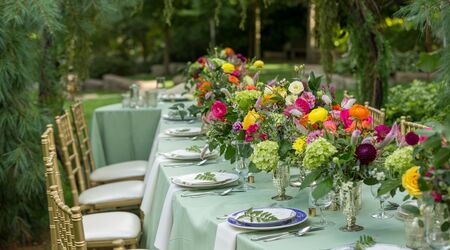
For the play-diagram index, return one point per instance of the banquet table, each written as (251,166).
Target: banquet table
(123,134)
(179,222)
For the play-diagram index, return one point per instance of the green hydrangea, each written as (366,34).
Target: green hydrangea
(400,160)
(246,99)
(317,153)
(279,119)
(219,62)
(265,155)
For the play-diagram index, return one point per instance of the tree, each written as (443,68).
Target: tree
(368,48)
(22,25)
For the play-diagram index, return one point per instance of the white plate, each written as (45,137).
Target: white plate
(282,214)
(375,247)
(183,154)
(298,219)
(190,181)
(174,97)
(178,118)
(184,131)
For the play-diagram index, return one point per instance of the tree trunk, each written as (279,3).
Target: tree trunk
(251,34)
(257,29)
(166,50)
(212,33)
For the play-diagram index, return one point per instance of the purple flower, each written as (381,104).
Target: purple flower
(392,135)
(241,57)
(412,138)
(366,153)
(237,126)
(310,98)
(313,136)
(381,131)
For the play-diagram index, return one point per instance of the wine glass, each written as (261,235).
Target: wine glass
(381,214)
(322,202)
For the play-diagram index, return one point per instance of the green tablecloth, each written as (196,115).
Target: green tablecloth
(195,224)
(123,134)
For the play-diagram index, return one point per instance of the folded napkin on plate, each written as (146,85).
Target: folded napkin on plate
(226,236)
(165,221)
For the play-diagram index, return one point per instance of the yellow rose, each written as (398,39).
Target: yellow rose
(299,145)
(228,67)
(250,119)
(317,115)
(410,181)
(258,64)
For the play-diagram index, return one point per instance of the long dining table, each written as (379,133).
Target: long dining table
(175,222)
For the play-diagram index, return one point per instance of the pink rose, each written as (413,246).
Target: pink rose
(219,109)
(345,117)
(252,128)
(248,138)
(303,104)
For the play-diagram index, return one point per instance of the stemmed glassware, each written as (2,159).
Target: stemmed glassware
(381,214)
(321,203)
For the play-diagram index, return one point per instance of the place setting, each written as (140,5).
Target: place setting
(183,133)
(175,97)
(191,156)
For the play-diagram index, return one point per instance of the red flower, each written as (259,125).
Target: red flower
(302,104)
(412,138)
(263,136)
(219,109)
(366,153)
(436,196)
(381,131)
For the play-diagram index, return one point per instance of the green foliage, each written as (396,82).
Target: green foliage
(22,195)
(258,215)
(207,176)
(416,101)
(327,19)
(364,242)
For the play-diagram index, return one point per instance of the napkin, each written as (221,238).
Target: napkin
(226,236)
(165,222)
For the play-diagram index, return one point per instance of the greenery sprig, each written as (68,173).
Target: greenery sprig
(194,148)
(364,242)
(258,215)
(207,176)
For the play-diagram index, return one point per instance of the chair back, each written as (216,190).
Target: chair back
(82,132)
(68,225)
(378,115)
(406,126)
(70,157)
(347,95)
(50,157)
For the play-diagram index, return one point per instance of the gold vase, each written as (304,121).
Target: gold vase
(349,196)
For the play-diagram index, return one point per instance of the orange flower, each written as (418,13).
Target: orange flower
(359,111)
(251,87)
(304,121)
(229,51)
(351,127)
(233,79)
(366,124)
(336,107)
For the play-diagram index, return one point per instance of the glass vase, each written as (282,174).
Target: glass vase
(414,234)
(435,216)
(297,182)
(243,150)
(349,196)
(280,180)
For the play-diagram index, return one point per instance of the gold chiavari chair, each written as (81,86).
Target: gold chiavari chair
(110,195)
(347,95)
(130,170)
(378,115)
(70,230)
(406,126)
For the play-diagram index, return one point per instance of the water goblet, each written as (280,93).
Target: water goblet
(321,203)
(381,214)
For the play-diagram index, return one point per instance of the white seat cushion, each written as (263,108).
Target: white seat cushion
(117,171)
(116,191)
(111,226)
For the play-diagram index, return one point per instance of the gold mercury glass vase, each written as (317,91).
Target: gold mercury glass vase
(349,195)
(280,180)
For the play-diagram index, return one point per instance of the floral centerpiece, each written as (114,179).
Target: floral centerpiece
(220,69)
(341,153)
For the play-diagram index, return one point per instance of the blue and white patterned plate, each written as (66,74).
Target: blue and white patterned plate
(300,217)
